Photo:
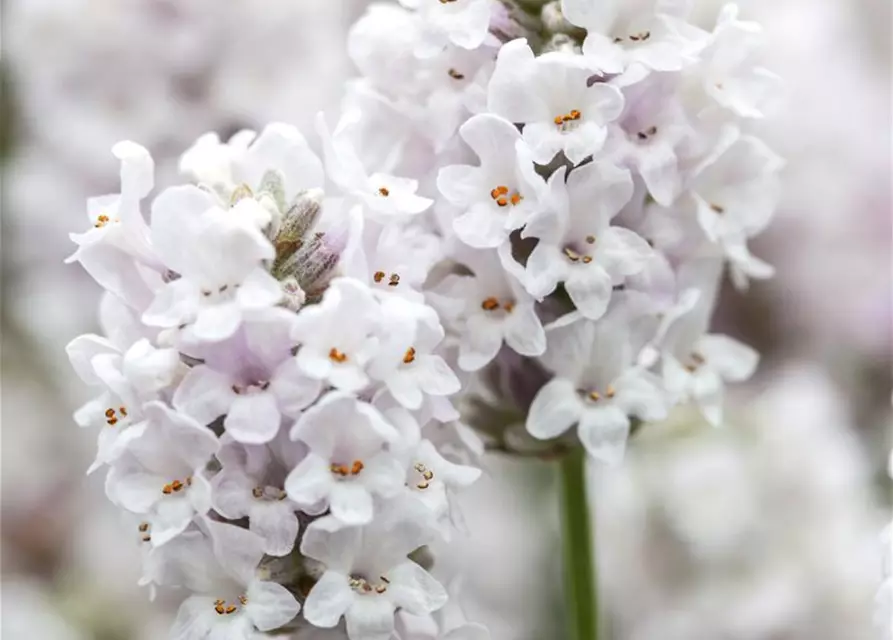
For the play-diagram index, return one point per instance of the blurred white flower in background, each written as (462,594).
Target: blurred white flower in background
(766,529)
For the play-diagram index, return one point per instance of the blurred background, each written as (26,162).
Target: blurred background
(766,530)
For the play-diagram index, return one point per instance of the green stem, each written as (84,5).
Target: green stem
(579,567)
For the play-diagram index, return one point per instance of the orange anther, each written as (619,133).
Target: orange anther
(356,467)
(337,356)
(490,304)
(409,356)
(379,276)
(502,202)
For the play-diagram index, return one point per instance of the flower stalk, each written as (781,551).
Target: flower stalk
(579,565)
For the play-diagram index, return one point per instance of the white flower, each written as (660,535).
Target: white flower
(246,160)
(368,577)
(734,192)
(407,363)
(250,484)
(578,245)
(597,387)
(620,33)
(117,249)
(160,474)
(382,196)
(232,602)
(252,380)
(347,462)
(650,135)
(217,254)
(695,365)
(392,260)
(337,337)
(434,480)
(500,194)
(728,71)
(489,308)
(130,379)
(464,23)
(551,96)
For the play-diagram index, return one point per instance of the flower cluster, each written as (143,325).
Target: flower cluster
(287,334)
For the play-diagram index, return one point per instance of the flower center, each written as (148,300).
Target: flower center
(646,134)
(594,395)
(145,535)
(565,121)
(223,292)
(268,494)
(343,470)
(409,356)
(112,416)
(176,486)
(384,192)
(493,304)
(640,36)
(102,220)
(249,389)
(337,356)
(222,607)
(455,75)
(363,586)
(426,475)
(717,208)
(695,362)
(500,195)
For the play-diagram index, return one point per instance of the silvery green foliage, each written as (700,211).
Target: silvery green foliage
(289,334)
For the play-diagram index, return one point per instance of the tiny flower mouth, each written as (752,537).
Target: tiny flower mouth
(102,220)
(145,535)
(344,471)
(270,494)
(393,279)
(641,36)
(455,75)
(176,486)
(426,475)
(695,362)
(337,356)
(646,134)
(501,196)
(594,395)
(111,416)
(251,388)
(717,208)
(409,356)
(363,586)
(384,192)
(493,304)
(566,121)
(223,608)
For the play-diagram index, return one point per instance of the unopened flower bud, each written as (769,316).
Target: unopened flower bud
(297,223)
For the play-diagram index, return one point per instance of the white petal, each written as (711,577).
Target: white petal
(293,389)
(196,619)
(524,332)
(328,600)
(231,493)
(479,343)
(621,252)
(603,431)
(707,389)
(253,418)
(351,503)
(270,605)
(554,409)
(640,395)
(415,590)
(733,360)
(204,394)
(81,351)
(589,287)
(436,377)
(277,524)
(217,322)
(259,290)
(370,619)
(309,482)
